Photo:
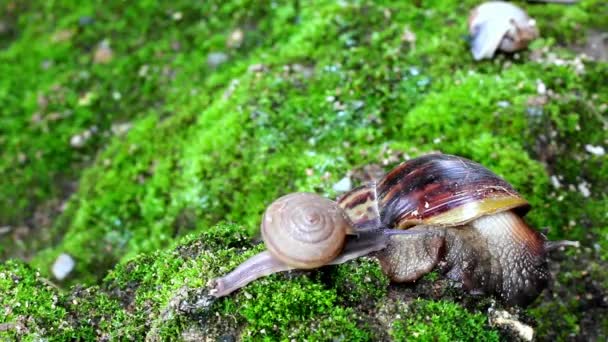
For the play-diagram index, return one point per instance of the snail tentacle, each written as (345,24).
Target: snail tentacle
(553,245)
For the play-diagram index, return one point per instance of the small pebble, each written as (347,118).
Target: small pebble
(408,36)
(215,59)
(595,150)
(78,140)
(103,54)
(177,16)
(121,128)
(541,88)
(258,67)
(584,189)
(5,229)
(85,20)
(555,182)
(63,266)
(235,39)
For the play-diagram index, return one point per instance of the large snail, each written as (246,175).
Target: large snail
(499,25)
(436,211)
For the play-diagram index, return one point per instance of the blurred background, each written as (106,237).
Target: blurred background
(129,128)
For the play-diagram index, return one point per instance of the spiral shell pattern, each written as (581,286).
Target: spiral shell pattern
(304,230)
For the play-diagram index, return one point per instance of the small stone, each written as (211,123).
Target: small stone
(259,67)
(5,229)
(85,20)
(503,104)
(79,140)
(62,36)
(121,128)
(87,99)
(555,182)
(235,39)
(230,89)
(63,266)
(177,16)
(584,189)
(103,54)
(143,70)
(541,88)
(343,185)
(595,150)
(4,27)
(215,59)
(408,36)
(304,70)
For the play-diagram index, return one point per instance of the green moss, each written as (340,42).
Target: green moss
(360,281)
(311,92)
(28,300)
(441,321)
(340,324)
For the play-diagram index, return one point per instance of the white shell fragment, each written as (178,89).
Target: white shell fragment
(63,266)
(502,318)
(499,25)
(343,185)
(595,150)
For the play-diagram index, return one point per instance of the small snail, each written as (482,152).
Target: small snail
(435,211)
(305,231)
(499,25)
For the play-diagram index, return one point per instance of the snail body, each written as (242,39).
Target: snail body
(499,26)
(433,212)
(469,222)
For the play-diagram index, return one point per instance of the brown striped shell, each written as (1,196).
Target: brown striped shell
(435,189)
(467,223)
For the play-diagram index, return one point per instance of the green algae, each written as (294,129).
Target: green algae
(310,93)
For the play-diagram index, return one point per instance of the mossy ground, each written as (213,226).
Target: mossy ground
(303,94)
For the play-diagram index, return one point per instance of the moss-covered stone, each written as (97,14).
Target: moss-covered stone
(299,95)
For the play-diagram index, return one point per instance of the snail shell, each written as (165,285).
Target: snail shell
(305,230)
(469,222)
(435,189)
(499,25)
